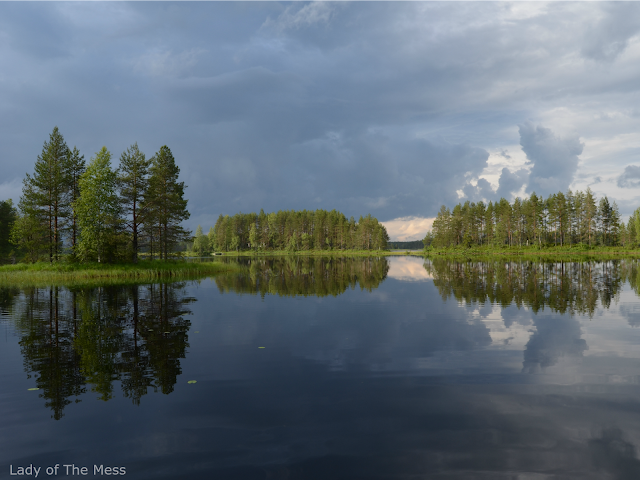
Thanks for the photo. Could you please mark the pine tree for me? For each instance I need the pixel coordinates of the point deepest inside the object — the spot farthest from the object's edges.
(614, 224)
(589, 217)
(489, 223)
(166, 195)
(534, 221)
(45, 193)
(571, 215)
(561, 216)
(8, 217)
(75, 168)
(578, 210)
(636, 223)
(253, 236)
(133, 182)
(604, 219)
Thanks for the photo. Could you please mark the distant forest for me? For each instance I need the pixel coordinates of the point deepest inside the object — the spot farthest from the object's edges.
(562, 219)
(291, 230)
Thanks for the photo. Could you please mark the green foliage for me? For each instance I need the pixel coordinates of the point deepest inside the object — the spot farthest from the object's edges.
(292, 230)
(76, 167)
(561, 219)
(200, 243)
(28, 236)
(45, 195)
(133, 182)
(168, 207)
(142, 200)
(8, 216)
(98, 210)
(47, 198)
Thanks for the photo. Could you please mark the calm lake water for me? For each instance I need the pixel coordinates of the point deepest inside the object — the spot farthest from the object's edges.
(330, 369)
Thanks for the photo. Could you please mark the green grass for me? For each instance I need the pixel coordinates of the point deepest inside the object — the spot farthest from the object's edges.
(545, 251)
(41, 273)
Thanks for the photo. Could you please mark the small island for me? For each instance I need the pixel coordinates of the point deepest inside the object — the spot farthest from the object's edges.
(81, 222)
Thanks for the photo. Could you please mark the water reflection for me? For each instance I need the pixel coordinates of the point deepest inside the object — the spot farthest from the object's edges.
(564, 287)
(388, 381)
(567, 289)
(72, 340)
(303, 276)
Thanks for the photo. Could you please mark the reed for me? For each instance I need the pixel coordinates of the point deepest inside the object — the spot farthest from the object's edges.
(96, 273)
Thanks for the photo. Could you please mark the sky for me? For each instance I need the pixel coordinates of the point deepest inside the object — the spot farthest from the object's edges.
(388, 108)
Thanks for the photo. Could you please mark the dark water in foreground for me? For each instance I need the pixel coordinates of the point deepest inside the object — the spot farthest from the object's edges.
(330, 369)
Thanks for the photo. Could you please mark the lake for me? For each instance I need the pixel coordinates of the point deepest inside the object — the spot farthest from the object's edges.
(328, 368)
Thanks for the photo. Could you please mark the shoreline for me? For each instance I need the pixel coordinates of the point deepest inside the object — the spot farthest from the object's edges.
(536, 253)
(38, 274)
(429, 253)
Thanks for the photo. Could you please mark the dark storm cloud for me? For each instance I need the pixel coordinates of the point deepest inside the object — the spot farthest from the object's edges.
(555, 159)
(511, 182)
(630, 178)
(480, 191)
(383, 107)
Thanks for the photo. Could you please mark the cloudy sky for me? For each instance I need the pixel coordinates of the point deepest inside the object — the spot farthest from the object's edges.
(386, 108)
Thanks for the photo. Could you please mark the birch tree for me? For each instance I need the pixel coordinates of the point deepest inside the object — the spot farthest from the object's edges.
(98, 209)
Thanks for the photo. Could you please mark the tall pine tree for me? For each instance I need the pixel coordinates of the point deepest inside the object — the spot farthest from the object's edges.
(166, 195)
(75, 168)
(8, 216)
(45, 194)
(133, 182)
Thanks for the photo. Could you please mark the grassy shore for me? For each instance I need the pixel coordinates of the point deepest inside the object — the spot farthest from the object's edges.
(312, 253)
(37, 274)
(574, 250)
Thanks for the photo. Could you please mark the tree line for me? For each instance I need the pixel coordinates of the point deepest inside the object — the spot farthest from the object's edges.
(291, 230)
(93, 212)
(561, 219)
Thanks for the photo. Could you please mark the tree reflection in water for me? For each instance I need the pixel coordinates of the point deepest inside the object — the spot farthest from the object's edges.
(87, 339)
(563, 287)
(304, 276)
(74, 339)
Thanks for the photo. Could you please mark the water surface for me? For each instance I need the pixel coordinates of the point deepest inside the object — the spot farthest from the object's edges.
(311, 368)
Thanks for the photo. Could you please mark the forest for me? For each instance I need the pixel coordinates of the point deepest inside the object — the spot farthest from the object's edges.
(92, 212)
(563, 219)
(291, 231)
